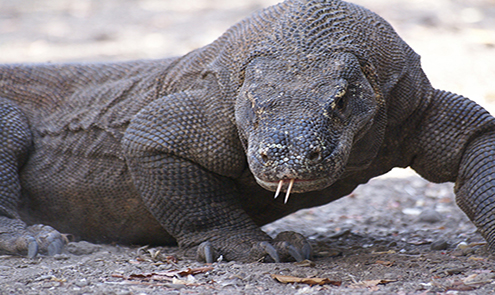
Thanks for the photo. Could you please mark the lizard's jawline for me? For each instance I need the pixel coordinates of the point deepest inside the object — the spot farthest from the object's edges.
(299, 186)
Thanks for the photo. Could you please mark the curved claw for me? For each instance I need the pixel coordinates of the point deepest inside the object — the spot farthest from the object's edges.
(294, 252)
(206, 253)
(55, 247)
(306, 251)
(293, 245)
(48, 239)
(32, 248)
(55, 242)
(268, 249)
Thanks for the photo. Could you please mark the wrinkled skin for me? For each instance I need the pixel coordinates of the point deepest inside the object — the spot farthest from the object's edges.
(308, 97)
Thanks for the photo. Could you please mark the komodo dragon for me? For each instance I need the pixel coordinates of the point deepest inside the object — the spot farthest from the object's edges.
(305, 97)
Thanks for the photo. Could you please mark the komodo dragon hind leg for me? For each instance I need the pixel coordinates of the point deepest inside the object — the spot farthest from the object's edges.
(15, 236)
(475, 186)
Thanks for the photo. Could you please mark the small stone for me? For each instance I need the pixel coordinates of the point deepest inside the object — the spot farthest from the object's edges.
(82, 283)
(44, 278)
(439, 245)
(82, 248)
(305, 263)
(430, 216)
(454, 271)
(61, 256)
(175, 286)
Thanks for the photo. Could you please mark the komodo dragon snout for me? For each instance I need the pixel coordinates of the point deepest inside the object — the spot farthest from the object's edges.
(298, 118)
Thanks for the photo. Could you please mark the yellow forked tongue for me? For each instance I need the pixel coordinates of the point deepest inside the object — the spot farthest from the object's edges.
(279, 187)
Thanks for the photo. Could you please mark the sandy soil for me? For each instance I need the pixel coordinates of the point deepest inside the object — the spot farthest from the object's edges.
(398, 234)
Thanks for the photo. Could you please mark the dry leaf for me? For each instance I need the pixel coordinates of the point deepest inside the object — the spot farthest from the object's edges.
(459, 286)
(309, 281)
(163, 276)
(477, 258)
(305, 263)
(194, 271)
(418, 241)
(179, 282)
(384, 263)
(171, 259)
(385, 252)
(469, 279)
(372, 284)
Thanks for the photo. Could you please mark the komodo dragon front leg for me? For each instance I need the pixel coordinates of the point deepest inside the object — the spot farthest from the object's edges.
(183, 155)
(475, 186)
(15, 236)
(456, 142)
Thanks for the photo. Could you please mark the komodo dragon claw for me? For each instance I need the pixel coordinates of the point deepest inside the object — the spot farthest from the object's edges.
(298, 247)
(287, 246)
(206, 253)
(32, 240)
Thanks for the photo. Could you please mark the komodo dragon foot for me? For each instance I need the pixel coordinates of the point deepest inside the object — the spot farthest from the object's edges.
(287, 246)
(16, 238)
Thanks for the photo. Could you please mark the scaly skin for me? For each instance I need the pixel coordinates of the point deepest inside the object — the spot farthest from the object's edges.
(311, 97)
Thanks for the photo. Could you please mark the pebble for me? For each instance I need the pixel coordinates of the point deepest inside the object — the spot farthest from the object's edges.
(82, 248)
(43, 278)
(454, 271)
(462, 246)
(175, 286)
(439, 245)
(61, 256)
(82, 283)
(430, 216)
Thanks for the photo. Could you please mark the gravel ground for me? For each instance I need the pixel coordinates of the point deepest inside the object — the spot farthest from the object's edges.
(398, 234)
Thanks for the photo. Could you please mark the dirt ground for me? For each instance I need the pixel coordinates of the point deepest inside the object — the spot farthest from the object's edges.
(398, 234)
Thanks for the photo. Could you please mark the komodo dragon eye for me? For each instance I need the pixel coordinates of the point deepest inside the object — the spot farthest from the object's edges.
(339, 102)
(340, 99)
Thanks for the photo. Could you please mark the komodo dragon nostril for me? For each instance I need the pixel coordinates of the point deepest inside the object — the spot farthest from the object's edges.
(264, 157)
(314, 156)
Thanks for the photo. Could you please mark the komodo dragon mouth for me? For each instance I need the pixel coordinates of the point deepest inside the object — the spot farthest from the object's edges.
(296, 185)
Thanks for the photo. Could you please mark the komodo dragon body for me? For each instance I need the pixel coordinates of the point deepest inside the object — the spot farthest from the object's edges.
(309, 97)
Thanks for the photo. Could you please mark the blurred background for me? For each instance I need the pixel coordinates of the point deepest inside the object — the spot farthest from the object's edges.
(456, 38)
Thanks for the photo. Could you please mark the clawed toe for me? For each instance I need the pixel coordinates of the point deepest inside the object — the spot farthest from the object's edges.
(49, 240)
(16, 238)
(287, 246)
(291, 245)
(32, 248)
(206, 253)
(262, 249)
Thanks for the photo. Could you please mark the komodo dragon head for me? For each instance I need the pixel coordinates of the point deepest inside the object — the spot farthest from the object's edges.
(300, 117)
(308, 107)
